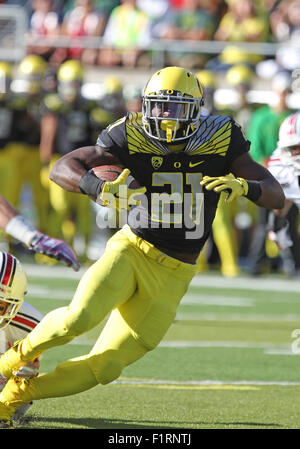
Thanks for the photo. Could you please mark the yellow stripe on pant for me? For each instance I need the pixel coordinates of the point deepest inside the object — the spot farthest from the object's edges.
(140, 285)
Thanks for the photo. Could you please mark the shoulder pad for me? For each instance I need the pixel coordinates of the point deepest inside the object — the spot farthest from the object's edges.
(135, 119)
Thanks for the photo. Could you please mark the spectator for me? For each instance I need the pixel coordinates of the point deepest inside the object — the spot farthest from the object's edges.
(242, 23)
(82, 21)
(44, 22)
(127, 30)
(104, 6)
(285, 20)
(285, 25)
(177, 4)
(154, 8)
(157, 11)
(193, 22)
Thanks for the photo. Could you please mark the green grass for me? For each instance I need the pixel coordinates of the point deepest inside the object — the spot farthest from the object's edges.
(225, 363)
(132, 407)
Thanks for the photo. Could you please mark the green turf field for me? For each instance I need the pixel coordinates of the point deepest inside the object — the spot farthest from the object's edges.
(229, 361)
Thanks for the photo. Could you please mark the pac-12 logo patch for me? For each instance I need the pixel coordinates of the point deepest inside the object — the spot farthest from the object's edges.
(156, 162)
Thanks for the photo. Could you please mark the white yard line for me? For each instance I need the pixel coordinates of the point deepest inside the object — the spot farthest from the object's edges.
(268, 348)
(50, 272)
(138, 381)
(207, 316)
(216, 281)
(217, 300)
(248, 283)
(222, 344)
(42, 291)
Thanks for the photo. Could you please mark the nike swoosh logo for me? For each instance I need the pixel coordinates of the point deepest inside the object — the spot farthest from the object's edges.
(196, 163)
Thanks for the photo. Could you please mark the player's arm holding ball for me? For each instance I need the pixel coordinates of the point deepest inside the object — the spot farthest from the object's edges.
(80, 171)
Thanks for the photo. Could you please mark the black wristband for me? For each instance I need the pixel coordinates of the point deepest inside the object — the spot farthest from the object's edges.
(254, 190)
(90, 184)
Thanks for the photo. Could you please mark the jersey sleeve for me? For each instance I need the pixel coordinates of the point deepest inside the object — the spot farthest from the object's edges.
(239, 144)
(113, 139)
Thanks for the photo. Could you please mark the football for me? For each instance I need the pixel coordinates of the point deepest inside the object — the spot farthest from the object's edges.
(107, 172)
(111, 172)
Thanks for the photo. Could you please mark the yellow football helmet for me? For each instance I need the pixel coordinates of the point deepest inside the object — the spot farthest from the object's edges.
(30, 74)
(239, 74)
(112, 85)
(70, 71)
(13, 286)
(207, 79)
(70, 77)
(171, 107)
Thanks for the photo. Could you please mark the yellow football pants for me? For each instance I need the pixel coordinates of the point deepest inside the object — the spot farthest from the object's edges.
(21, 164)
(72, 212)
(5, 173)
(140, 285)
(225, 240)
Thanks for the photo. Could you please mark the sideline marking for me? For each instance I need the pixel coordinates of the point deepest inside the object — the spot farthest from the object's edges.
(194, 387)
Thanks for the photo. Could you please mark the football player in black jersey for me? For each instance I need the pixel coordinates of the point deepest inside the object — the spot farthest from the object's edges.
(6, 121)
(183, 161)
(20, 136)
(68, 121)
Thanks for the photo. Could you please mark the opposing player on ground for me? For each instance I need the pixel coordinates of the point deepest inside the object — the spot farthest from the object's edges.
(284, 165)
(183, 160)
(16, 226)
(17, 318)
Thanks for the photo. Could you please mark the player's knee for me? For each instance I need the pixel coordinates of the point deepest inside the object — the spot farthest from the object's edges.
(106, 367)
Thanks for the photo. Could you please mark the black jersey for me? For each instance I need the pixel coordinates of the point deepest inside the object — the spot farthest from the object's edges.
(26, 120)
(77, 123)
(6, 122)
(19, 120)
(182, 219)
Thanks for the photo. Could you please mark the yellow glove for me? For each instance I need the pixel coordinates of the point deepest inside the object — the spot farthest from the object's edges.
(234, 186)
(117, 195)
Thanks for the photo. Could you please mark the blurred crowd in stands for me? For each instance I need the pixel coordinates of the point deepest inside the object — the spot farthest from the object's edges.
(128, 27)
(44, 112)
